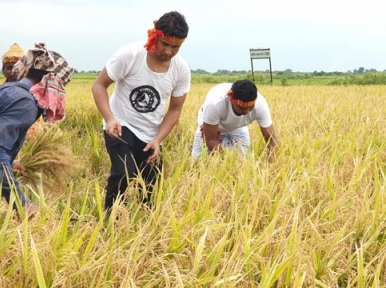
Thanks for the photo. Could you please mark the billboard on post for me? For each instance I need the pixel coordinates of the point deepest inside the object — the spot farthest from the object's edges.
(260, 53)
(264, 53)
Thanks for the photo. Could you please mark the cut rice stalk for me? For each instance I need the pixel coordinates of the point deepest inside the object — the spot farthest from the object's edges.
(47, 156)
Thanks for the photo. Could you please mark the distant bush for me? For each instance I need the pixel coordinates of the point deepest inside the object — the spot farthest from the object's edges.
(230, 78)
(366, 79)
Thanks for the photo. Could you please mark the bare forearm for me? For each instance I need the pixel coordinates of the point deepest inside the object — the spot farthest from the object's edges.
(272, 146)
(101, 99)
(101, 96)
(170, 120)
(214, 145)
(271, 140)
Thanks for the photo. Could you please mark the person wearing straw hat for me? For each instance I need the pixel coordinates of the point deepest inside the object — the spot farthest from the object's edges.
(42, 75)
(134, 117)
(225, 114)
(14, 53)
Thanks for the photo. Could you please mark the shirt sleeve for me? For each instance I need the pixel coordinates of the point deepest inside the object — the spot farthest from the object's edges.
(119, 65)
(263, 117)
(184, 76)
(211, 114)
(18, 112)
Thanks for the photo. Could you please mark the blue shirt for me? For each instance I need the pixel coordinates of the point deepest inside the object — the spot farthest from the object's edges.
(18, 111)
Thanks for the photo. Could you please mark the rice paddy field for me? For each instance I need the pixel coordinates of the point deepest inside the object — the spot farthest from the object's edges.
(313, 217)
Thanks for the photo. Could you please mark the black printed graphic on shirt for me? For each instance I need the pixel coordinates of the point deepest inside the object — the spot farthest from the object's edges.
(145, 99)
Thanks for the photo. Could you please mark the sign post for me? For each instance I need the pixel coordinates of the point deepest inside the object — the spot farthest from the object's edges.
(260, 54)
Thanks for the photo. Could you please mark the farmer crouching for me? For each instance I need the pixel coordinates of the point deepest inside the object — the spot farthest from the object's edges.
(42, 75)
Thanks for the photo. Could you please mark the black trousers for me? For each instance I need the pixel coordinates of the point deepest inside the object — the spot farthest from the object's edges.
(129, 159)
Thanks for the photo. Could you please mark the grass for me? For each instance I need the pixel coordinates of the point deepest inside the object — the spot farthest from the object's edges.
(314, 217)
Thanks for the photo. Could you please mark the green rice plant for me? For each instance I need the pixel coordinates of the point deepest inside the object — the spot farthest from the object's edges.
(97, 155)
(37, 265)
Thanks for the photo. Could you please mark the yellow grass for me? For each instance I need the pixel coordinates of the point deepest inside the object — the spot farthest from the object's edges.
(314, 217)
(47, 157)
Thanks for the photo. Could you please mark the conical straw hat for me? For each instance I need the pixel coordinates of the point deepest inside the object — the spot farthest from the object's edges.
(13, 54)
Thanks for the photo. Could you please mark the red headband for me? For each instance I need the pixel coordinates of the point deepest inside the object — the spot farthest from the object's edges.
(154, 34)
(240, 103)
(12, 59)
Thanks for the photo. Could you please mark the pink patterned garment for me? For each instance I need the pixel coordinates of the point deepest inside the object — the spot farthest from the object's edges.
(50, 95)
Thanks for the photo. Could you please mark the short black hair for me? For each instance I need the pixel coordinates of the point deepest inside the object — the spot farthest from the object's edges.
(174, 24)
(36, 74)
(244, 90)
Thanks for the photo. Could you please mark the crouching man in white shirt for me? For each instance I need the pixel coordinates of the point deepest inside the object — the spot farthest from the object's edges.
(225, 114)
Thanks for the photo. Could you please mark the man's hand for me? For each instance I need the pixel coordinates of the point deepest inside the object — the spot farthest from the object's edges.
(271, 140)
(211, 136)
(18, 166)
(113, 128)
(154, 146)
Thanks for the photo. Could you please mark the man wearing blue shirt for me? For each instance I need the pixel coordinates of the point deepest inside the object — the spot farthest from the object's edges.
(18, 111)
(21, 105)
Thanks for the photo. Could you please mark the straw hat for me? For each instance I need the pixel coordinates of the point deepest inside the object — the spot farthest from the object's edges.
(13, 54)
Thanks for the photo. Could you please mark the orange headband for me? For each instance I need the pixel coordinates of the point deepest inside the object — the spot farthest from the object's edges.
(12, 59)
(154, 34)
(240, 103)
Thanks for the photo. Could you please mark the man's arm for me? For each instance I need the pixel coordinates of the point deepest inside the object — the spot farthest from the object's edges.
(210, 136)
(101, 98)
(271, 140)
(171, 117)
(169, 121)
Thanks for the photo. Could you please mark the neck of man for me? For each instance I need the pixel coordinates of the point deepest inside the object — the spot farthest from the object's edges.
(155, 64)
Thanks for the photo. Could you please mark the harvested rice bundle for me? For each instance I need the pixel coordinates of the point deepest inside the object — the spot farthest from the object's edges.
(36, 129)
(47, 157)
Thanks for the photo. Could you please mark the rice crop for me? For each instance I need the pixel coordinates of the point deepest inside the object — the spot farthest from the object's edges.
(313, 217)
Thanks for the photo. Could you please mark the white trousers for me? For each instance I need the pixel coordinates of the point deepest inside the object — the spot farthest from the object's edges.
(239, 137)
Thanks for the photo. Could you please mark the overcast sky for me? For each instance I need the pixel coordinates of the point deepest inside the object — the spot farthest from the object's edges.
(303, 35)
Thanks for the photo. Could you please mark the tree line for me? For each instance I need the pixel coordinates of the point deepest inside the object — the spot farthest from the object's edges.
(359, 71)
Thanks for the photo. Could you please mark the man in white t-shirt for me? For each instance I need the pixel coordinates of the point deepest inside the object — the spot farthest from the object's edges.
(135, 117)
(225, 114)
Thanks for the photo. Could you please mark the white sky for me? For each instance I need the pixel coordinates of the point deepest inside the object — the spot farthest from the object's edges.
(303, 35)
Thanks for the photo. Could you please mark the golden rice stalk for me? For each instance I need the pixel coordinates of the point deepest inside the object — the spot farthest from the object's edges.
(47, 157)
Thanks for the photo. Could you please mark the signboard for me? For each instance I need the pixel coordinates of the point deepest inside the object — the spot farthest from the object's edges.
(260, 53)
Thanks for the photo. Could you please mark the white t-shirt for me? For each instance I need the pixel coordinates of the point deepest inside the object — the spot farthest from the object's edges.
(140, 95)
(217, 110)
